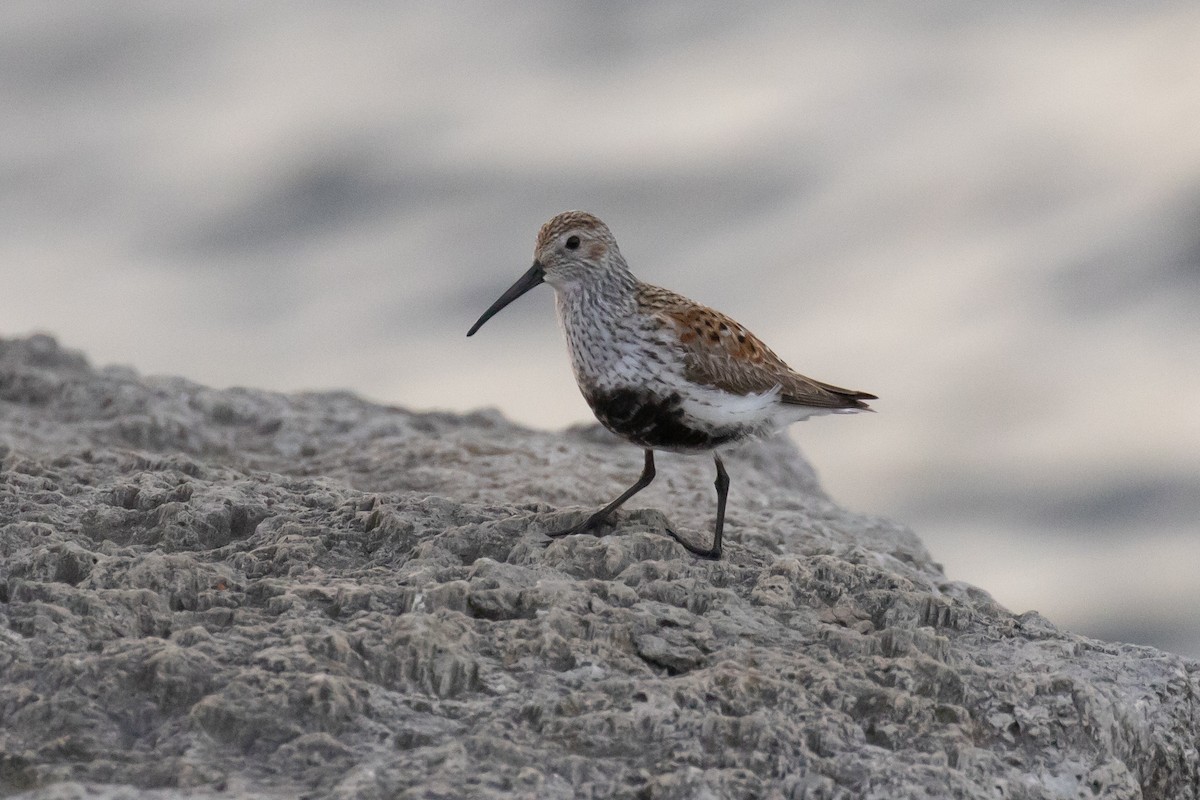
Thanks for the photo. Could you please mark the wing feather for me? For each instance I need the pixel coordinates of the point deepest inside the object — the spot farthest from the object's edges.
(720, 352)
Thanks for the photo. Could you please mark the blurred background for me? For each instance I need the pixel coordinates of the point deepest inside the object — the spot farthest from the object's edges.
(987, 214)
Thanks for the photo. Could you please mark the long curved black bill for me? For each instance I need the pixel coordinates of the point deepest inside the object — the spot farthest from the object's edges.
(530, 279)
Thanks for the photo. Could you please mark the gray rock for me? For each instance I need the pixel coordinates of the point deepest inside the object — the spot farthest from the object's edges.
(242, 594)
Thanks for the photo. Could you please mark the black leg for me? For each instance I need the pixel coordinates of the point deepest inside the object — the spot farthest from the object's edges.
(722, 484)
(592, 522)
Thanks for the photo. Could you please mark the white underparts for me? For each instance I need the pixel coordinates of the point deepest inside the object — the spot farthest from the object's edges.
(721, 409)
(763, 413)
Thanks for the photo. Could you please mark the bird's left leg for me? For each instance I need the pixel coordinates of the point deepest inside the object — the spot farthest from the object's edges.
(592, 522)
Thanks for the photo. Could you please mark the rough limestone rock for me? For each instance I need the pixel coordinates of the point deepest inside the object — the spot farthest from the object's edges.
(227, 594)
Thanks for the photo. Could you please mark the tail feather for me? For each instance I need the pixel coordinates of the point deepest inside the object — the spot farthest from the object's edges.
(827, 395)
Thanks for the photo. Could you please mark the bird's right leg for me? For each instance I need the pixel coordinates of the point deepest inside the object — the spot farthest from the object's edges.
(722, 484)
(592, 522)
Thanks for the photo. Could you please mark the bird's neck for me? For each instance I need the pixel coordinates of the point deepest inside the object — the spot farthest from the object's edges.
(597, 318)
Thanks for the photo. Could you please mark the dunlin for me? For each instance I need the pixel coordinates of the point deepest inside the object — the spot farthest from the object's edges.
(659, 370)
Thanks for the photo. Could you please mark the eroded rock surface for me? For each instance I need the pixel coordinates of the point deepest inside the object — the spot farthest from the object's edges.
(242, 594)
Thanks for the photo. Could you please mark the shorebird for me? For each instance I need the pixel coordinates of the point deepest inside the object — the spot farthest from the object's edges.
(658, 369)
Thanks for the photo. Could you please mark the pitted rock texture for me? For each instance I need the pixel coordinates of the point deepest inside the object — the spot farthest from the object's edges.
(240, 594)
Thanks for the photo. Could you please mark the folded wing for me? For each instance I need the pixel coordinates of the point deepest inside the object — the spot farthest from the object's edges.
(720, 352)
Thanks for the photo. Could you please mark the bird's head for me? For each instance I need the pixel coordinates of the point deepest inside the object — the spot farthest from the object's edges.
(572, 249)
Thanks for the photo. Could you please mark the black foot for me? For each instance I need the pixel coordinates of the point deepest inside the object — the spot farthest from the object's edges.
(593, 524)
(712, 554)
(590, 525)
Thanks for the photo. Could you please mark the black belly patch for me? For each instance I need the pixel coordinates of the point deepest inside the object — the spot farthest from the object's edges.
(654, 420)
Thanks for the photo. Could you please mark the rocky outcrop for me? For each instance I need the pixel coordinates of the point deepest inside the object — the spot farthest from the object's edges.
(242, 594)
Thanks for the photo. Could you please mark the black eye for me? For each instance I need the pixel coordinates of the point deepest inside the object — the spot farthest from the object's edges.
(572, 242)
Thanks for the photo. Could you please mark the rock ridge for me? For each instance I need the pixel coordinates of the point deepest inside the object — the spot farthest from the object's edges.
(235, 593)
